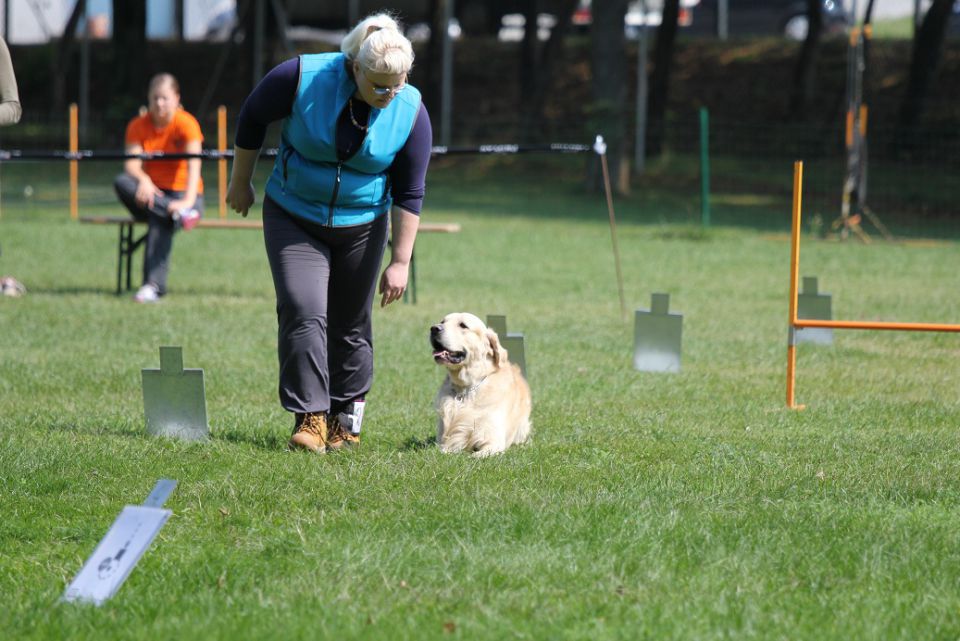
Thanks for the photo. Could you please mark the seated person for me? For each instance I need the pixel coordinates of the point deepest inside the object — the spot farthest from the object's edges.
(167, 194)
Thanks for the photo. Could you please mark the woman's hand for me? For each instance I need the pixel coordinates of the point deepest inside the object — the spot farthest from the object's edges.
(393, 282)
(241, 196)
(146, 191)
(178, 204)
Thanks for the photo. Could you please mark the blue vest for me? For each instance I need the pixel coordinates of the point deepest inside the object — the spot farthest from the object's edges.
(308, 180)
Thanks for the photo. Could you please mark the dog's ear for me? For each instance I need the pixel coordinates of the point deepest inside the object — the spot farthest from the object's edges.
(498, 352)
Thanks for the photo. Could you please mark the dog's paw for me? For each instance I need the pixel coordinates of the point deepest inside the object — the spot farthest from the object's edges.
(486, 452)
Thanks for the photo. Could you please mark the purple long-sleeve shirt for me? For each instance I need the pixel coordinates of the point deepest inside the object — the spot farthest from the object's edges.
(272, 100)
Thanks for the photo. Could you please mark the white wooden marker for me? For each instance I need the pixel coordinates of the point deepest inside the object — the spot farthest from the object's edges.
(120, 549)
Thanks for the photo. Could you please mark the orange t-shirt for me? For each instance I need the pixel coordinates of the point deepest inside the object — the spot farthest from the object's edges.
(168, 175)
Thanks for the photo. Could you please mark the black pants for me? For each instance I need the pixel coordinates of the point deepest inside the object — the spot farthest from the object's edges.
(325, 279)
(160, 228)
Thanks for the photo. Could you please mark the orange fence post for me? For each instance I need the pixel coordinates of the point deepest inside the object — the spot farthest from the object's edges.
(222, 163)
(794, 281)
(74, 168)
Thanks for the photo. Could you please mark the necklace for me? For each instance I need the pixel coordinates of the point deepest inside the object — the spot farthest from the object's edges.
(353, 118)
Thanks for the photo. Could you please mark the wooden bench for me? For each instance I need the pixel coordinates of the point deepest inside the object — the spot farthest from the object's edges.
(129, 243)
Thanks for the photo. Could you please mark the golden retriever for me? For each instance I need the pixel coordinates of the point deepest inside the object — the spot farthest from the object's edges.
(484, 403)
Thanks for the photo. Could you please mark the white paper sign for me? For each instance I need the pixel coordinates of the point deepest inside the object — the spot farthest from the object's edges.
(117, 554)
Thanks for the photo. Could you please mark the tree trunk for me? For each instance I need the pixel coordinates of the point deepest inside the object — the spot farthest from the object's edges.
(660, 77)
(608, 63)
(130, 76)
(927, 49)
(64, 52)
(433, 68)
(805, 75)
(529, 49)
(536, 82)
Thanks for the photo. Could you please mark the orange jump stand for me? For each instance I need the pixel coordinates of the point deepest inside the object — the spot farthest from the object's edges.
(796, 323)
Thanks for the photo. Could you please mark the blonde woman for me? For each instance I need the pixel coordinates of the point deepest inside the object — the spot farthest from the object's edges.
(355, 146)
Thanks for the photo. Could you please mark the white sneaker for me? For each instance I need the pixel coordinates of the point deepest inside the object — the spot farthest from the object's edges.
(188, 218)
(147, 294)
(10, 286)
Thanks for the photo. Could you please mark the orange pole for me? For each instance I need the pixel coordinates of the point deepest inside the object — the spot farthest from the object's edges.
(863, 120)
(74, 173)
(910, 327)
(794, 285)
(222, 163)
(848, 135)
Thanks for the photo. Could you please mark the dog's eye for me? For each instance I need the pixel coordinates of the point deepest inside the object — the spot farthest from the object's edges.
(463, 326)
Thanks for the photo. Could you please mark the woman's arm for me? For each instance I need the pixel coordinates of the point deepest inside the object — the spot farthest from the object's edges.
(193, 179)
(240, 192)
(9, 98)
(266, 103)
(394, 280)
(146, 190)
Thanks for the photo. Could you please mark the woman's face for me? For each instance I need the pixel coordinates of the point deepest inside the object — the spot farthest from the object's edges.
(163, 103)
(378, 89)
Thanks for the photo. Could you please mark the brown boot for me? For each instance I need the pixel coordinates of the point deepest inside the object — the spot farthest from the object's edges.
(338, 437)
(310, 433)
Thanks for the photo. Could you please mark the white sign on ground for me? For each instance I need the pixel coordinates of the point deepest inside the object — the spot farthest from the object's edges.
(118, 553)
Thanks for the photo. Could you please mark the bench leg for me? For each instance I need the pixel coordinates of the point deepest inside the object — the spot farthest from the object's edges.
(127, 247)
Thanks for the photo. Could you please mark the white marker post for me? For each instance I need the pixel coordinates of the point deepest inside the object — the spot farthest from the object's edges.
(513, 343)
(814, 305)
(121, 548)
(657, 337)
(174, 402)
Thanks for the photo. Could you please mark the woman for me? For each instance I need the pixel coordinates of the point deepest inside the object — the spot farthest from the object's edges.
(168, 194)
(355, 145)
(9, 115)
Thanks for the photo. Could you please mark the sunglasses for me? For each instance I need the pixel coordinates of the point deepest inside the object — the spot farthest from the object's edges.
(385, 91)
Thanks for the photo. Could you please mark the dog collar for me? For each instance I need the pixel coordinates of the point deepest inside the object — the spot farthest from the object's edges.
(469, 390)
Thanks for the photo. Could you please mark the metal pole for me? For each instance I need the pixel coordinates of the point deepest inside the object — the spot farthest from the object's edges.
(260, 18)
(601, 148)
(353, 12)
(446, 92)
(704, 167)
(723, 19)
(85, 76)
(640, 146)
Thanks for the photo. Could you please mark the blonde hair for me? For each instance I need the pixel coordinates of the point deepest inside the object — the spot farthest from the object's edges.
(378, 46)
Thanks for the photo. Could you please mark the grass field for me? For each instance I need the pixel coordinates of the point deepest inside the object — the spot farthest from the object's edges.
(648, 506)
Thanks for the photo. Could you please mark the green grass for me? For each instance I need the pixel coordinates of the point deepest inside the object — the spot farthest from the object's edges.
(683, 506)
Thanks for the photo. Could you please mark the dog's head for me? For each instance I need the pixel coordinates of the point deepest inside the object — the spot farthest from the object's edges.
(462, 343)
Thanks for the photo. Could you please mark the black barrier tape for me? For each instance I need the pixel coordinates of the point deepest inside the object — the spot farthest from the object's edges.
(211, 154)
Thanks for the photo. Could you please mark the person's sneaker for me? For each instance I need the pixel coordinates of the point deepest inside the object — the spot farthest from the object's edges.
(10, 286)
(310, 433)
(147, 294)
(188, 218)
(338, 437)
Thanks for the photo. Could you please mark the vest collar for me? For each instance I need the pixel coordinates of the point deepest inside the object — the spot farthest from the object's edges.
(346, 87)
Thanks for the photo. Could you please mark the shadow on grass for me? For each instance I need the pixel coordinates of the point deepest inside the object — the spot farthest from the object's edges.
(269, 441)
(414, 444)
(76, 291)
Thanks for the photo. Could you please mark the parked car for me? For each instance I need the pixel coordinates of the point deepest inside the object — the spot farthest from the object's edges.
(768, 17)
(475, 16)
